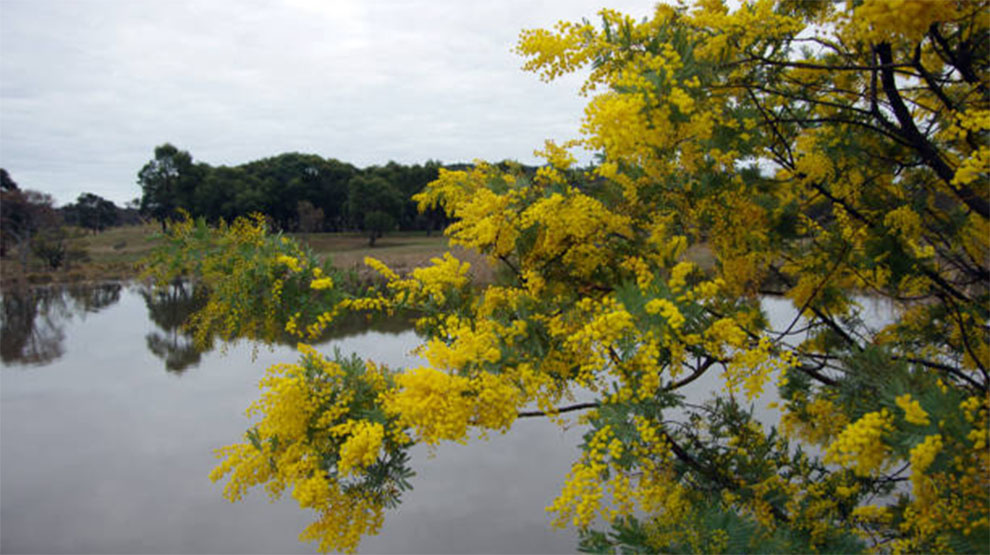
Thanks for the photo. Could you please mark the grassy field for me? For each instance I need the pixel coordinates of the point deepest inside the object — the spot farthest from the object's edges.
(114, 254)
(120, 245)
(110, 255)
(401, 251)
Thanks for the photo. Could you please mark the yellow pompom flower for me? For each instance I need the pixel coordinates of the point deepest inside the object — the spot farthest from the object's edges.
(861, 445)
(289, 261)
(913, 412)
(362, 447)
(321, 283)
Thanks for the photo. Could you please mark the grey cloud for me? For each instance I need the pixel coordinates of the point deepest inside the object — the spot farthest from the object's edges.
(88, 88)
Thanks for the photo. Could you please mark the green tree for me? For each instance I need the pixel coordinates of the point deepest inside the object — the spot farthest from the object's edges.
(217, 196)
(168, 182)
(829, 156)
(95, 212)
(290, 178)
(408, 181)
(7, 191)
(373, 204)
(376, 223)
(26, 215)
(6, 182)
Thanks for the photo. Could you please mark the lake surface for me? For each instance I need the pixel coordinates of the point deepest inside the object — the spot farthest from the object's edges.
(109, 416)
(108, 419)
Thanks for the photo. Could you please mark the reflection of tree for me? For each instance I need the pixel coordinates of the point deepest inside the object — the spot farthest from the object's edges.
(349, 324)
(94, 298)
(169, 307)
(32, 328)
(32, 320)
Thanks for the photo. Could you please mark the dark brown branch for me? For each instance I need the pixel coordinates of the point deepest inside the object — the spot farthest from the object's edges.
(773, 126)
(713, 473)
(569, 408)
(819, 67)
(511, 266)
(939, 366)
(931, 274)
(909, 131)
(930, 79)
(698, 372)
(965, 338)
(961, 60)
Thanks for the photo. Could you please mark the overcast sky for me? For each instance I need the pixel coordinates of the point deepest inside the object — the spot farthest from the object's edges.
(88, 88)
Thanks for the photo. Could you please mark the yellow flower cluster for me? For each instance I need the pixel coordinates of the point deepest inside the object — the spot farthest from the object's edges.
(722, 333)
(753, 368)
(923, 455)
(861, 444)
(496, 403)
(468, 345)
(321, 283)
(872, 513)
(608, 322)
(436, 404)
(425, 284)
(570, 224)
(440, 406)
(289, 261)
(381, 268)
(906, 223)
(883, 20)
(913, 412)
(347, 518)
(679, 274)
(362, 446)
(581, 497)
(554, 53)
(557, 156)
(975, 167)
(817, 421)
(306, 414)
(445, 274)
(976, 411)
(668, 310)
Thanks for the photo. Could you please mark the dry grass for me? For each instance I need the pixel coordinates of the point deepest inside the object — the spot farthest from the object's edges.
(107, 256)
(401, 251)
(114, 254)
(121, 245)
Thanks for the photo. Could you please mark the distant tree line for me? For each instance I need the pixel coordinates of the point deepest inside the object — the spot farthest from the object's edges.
(298, 192)
(30, 224)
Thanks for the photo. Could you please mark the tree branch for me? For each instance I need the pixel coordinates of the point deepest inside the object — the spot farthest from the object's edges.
(909, 131)
(560, 410)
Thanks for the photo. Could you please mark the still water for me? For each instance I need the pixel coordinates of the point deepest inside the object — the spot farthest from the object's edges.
(109, 415)
(108, 419)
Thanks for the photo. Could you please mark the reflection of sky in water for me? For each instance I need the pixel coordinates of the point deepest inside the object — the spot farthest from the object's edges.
(103, 451)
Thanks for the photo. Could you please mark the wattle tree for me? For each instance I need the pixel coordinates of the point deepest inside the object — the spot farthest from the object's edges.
(831, 155)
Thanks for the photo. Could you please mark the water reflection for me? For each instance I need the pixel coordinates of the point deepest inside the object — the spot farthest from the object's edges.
(168, 308)
(93, 298)
(135, 447)
(32, 322)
